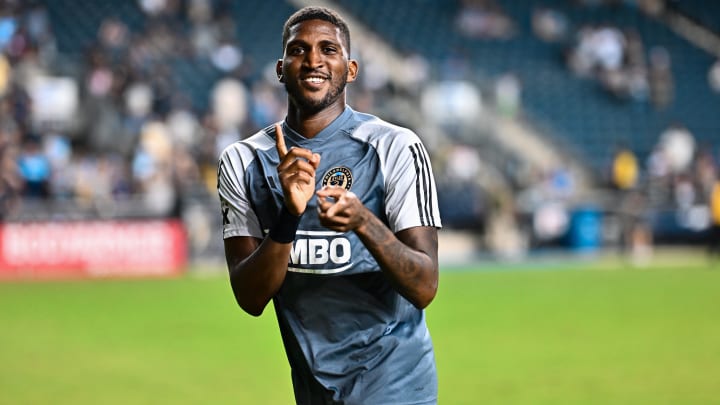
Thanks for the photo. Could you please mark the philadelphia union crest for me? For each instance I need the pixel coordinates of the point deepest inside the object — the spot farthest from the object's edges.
(339, 176)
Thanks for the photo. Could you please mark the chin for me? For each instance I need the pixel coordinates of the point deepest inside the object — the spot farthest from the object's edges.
(311, 105)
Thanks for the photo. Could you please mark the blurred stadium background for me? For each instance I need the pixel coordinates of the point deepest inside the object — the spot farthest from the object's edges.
(562, 132)
(554, 125)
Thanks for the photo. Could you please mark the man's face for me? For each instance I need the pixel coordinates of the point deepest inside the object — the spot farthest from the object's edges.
(315, 66)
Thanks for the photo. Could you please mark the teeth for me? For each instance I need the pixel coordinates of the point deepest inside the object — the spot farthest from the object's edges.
(315, 80)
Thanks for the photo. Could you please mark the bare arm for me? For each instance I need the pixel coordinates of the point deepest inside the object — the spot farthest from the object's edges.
(258, 267)
(257, 270)
(408, 258)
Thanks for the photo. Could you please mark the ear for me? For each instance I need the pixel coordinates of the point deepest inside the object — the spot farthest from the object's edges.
(352, 70)
(278, 70)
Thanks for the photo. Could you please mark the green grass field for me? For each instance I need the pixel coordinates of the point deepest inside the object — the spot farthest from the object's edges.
(594, 332)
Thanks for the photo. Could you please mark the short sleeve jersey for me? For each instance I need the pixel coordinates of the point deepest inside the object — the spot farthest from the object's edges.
(343, 325)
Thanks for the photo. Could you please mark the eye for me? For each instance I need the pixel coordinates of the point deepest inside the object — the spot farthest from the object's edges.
(295, 50)
(330, 50)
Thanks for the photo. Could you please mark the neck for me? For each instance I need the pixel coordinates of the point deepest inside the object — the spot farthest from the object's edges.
(309, 124)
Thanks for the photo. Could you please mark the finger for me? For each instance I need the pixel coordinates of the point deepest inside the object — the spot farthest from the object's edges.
(280, 141)
(332, 211)
(335, 208)
(334, 192)
(323, 203)
(300, 184)
(294, 155)
(297, 165)
(315, 160)
(332, 195)
(301, 153)
(337, 223)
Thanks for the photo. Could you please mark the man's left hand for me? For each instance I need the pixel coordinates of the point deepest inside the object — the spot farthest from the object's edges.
(339, 209)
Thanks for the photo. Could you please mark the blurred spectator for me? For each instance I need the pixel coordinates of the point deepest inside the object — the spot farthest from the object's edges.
(266, 106)
(617, 60)
(549, 24)
(58, 150)
(416, 70)
(152, 164)
(679, 147)
(463, 164)
(636, 71)
(34, 168)
(714, 237)
(714, 76)
(705, 170)
(229, 103)
(8, 26)
(451, 104)
(597, 51)
(455, 66)
(151, 7)
(184, 129)
(661, 78)
(636, 237)
(560, 182)
(207, 154)
(5, 75)
(657, 163)
(376, 76)
(11, 120)
(10, 180)
(138, 98)
(483, 19)
(462, 195)
(684, 190)
(504, 237)
(508, 94)
(630, 80)
(114, 37)
(28, 66)
(550, 221)
(227, 56)
(93, 181)
(658, 170)
(651, 7)
(55, 102)
(625, 170)
(99, 80)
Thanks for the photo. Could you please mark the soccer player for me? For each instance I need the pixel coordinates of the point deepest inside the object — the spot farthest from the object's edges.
(332, 214)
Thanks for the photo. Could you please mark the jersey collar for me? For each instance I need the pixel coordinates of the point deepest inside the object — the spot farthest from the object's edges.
(326, 133)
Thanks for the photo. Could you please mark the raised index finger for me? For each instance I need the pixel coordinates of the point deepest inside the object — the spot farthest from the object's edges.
(280, 141)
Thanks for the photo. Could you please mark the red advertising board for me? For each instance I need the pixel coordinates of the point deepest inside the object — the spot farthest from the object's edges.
(92, 249)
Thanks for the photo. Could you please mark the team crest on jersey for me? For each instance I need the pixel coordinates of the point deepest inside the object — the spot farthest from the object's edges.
(339, 176)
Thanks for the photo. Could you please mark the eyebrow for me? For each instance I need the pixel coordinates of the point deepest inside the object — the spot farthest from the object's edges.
(321, 42)
(324, 42)
(337, 39)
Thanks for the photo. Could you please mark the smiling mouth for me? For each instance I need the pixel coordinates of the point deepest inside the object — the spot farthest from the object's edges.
(314, 79)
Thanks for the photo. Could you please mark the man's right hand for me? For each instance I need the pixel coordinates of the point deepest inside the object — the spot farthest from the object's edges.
(296, 172)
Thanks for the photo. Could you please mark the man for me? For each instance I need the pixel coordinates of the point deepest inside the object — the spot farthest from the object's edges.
(339, 229)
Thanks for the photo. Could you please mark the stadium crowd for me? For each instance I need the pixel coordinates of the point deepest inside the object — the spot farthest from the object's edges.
(115, 127)
(124, 130)
(120, 128)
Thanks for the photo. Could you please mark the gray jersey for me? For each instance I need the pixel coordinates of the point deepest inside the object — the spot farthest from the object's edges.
(344, 327)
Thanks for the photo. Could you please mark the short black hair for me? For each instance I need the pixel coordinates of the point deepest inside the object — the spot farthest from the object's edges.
(317, 13)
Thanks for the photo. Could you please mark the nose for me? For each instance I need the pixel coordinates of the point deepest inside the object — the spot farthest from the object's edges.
(313, 58)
